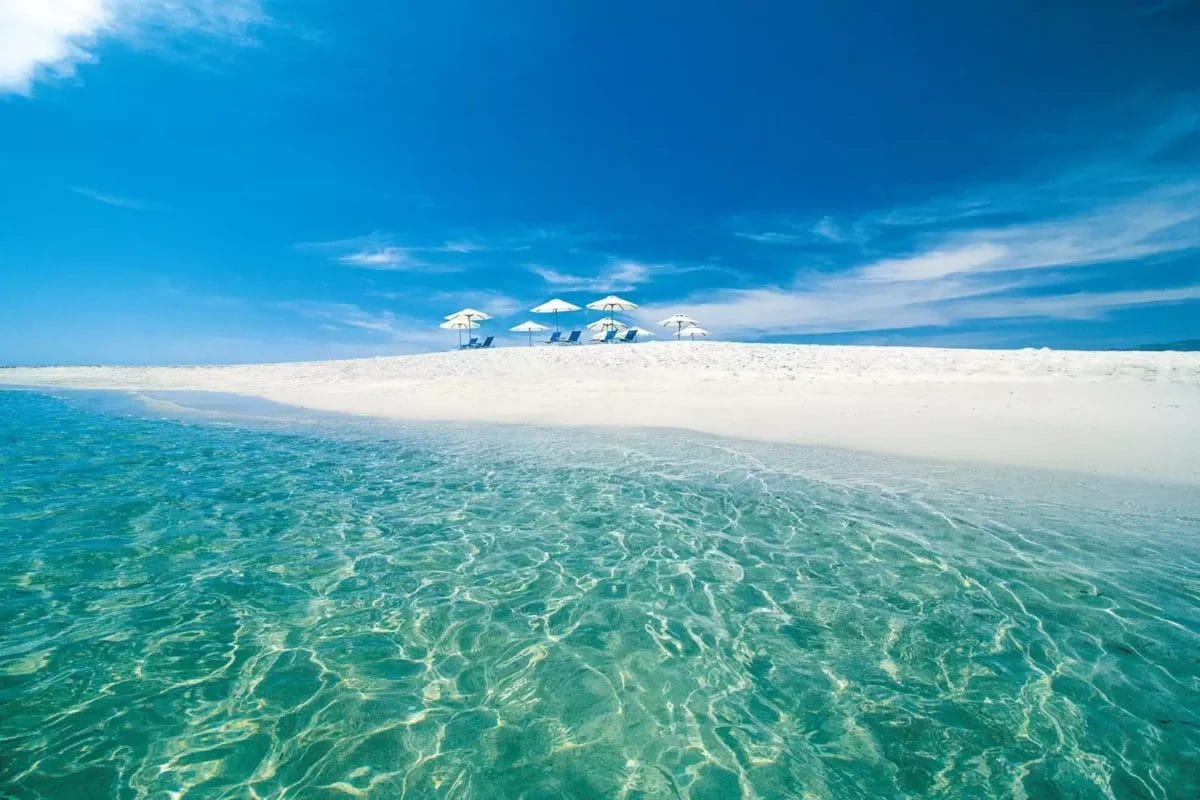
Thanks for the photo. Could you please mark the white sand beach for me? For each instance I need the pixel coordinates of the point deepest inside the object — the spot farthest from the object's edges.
(1125, 414)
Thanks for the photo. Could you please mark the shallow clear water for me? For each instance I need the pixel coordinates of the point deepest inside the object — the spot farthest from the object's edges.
(329, 610)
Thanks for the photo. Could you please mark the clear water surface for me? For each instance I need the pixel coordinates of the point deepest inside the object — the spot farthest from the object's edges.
(207, 607)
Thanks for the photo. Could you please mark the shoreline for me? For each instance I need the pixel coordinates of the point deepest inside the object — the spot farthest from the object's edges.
(1117, 414)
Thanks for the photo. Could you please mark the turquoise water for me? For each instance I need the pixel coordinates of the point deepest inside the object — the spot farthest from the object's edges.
(190, 608)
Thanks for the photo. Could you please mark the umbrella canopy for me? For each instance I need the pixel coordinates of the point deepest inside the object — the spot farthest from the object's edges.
(529, 327)
(469, 313)
(607, 322)
(643, 332)
(553, 307)
(692, 331)
(680, 321)
(612, 303)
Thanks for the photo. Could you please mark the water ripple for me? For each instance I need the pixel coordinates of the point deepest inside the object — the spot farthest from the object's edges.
(205, 611)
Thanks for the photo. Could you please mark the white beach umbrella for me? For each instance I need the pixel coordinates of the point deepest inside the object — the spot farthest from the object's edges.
(643, 332)
(680, 321)
(459, 324)
(692, 331)
(529, 327)
(470, 314)
(612, 304)
(553, 307)
(604, 323)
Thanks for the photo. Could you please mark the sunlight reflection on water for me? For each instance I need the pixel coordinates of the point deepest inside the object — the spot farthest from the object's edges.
(297, 603)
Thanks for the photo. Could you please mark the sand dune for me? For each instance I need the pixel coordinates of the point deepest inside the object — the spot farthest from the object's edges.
(1107, 413)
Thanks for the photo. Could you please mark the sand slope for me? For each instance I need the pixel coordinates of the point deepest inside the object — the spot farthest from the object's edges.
(1126, 414)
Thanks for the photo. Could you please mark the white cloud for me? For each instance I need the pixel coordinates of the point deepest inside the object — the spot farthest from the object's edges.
(980, 254)
(347, 315)
(775, 229)
(384, 331)
(378, 250)
(1078, 305)
(772, 237)
(47, 39)
(386, 257)
(933, 264)
(840, 306)
(50, 36)
(494, 303)
(827, 229)
(974, 274)
(108, 199)
(619, 275)
(461, 246)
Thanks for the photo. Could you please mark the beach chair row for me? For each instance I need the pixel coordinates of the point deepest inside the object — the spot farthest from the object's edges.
(557, 337)
(610, 336)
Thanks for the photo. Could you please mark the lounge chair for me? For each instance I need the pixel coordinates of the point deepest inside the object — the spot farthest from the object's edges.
(554, 337)
(573, 338)
(630, 335)
(472, 342)
(486, 343)
(609, 336)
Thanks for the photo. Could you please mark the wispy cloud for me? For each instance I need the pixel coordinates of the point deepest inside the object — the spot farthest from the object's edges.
(348, 315)
(1044, 248)
(776, 229)
(839, 306)
(48, 39)
(386, 257)
(620, 275)
(379, 251)
(1156, 222)
(352, 329)
(450, 253)
(616, 276)
(108, 199)
(827, 229)
(396, 333)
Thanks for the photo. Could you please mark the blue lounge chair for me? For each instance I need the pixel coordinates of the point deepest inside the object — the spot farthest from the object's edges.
(472, 342)
(610, 336)
(486, 343)
(554, 337)
(573, 338)
(630, 335)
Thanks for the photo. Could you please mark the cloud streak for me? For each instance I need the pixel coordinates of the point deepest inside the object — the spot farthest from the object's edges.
(386, 257)
(1044, 249)
(108, 199)
(454, 253)
(617, 276)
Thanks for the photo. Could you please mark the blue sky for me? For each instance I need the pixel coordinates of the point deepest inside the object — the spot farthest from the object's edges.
(195, 181)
